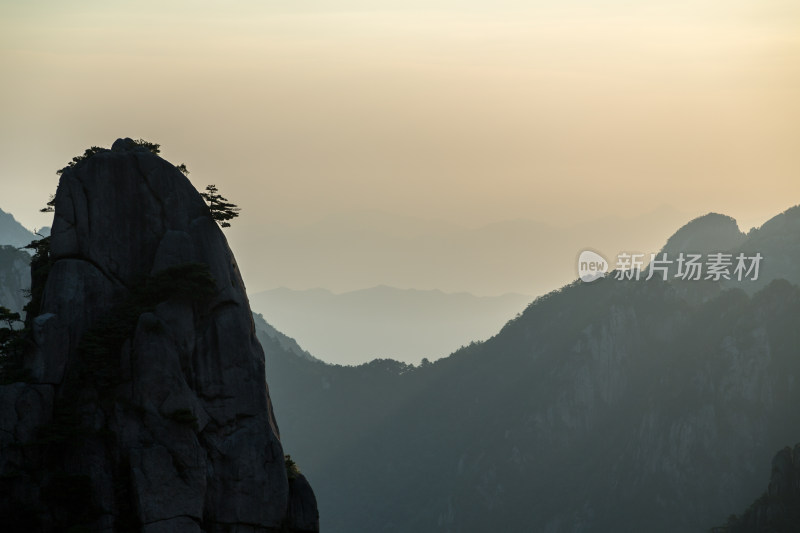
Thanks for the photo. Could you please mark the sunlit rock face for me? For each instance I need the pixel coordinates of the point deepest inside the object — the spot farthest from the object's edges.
(148, 408)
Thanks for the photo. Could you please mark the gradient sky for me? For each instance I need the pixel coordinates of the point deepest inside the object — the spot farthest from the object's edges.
(469, 112)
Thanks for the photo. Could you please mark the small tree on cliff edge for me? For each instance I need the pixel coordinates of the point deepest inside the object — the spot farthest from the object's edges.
(221, 210)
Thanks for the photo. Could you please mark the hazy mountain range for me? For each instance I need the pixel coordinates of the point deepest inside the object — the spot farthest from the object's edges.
(373, 247)
(15, 276)
(611, 406)
(286, 343)
(355, 250)
(385, 322)
(12, 233)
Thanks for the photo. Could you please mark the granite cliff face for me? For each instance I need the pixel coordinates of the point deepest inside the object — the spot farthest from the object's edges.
(147, 408)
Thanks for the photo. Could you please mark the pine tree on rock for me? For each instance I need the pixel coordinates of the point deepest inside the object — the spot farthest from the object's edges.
(221, 210)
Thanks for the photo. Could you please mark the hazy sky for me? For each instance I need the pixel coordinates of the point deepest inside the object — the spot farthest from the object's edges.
(471, 112)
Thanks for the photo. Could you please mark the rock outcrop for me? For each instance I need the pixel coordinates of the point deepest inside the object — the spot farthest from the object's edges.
(147, 408)
(777, 242)
(778, 509)
(706, 234)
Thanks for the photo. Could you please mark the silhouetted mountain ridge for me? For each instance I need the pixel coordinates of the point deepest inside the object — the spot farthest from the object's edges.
(13, 233)
(264, 329)
(609, 406)
(706, 234)
(777, 241)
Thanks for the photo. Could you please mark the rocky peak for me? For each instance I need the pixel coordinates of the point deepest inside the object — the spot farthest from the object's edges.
(778, 509)
(778, 242)
(706, 234)
(147, 408)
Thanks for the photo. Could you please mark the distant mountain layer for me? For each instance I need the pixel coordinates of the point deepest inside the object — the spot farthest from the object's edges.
(15, 278)
(266, 331)
(609, 406)
(12, 232)
(366, 249)
(385, 322)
